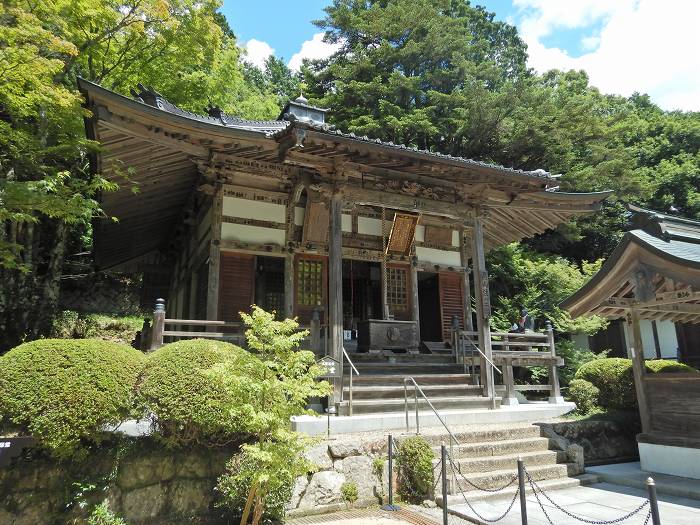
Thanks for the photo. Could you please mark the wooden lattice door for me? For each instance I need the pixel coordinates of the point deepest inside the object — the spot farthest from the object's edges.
(451, 301)
(236, 285)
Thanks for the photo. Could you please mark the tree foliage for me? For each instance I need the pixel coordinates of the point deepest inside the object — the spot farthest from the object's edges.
(48, 196)
(522, 278)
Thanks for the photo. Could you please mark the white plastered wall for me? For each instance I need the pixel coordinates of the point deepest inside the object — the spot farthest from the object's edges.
(668, 342)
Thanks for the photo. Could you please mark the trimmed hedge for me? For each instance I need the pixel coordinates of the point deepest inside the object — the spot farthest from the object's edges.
(584, 394)
(415, 462)
(189, 404)
(614, 377)
(65, 391)
(666, 366)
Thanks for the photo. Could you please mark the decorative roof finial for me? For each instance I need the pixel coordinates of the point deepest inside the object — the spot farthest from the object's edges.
(301, 99)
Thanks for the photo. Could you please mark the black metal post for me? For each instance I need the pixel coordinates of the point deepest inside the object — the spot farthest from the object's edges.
(390, 451)
(443, 456)
(653, 501)
(521, 485)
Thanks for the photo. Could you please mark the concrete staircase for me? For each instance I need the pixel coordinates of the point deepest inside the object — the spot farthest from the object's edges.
(488, 458)
(380, 386)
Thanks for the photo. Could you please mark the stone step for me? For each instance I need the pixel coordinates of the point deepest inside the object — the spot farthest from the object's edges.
(378, 406)
(423, 380)
(363, 391)
(409, 368)
(497, 448)
(498, 478)
(360, 358)
(510, 433)
(546, 485)
(509, 461)
(435, 347)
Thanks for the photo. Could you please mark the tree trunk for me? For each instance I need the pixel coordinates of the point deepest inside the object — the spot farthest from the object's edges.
(29, 295)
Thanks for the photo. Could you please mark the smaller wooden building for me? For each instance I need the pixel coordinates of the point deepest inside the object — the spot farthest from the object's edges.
(654, 274)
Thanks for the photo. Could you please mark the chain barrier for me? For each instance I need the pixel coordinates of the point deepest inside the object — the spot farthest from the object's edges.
(537, 489)
(477, 487)
(464, 496)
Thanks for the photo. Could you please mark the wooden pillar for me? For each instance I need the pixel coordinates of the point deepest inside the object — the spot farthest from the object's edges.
(289, 285)
(636, 351)
(483, 301)
(217, 205)
(158, 326)
(316, 346)
(554, 390)
(290, 242)
(466, 285)
(510, 399)
(415, 307)
(385, 293)
(335, 289)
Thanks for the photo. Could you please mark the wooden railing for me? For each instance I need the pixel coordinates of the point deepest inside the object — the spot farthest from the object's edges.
(511, 350)
(163, 329)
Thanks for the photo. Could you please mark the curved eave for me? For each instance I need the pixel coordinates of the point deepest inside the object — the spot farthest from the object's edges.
(96, 94)
(394, 150)
(620, 264)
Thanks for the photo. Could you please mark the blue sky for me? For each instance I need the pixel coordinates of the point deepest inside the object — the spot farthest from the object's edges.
(648, 46)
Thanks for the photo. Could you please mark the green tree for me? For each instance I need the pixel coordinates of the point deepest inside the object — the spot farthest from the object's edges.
(47, 193)
(418, 72)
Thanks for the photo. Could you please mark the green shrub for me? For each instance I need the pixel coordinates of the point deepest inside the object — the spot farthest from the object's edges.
(192, 404)
(271, 468)
(102, 515)
(349, 491)
(614, 379)
(584, 394)
(69, 324)
(63, 391)
(414, 460)
(666, 366)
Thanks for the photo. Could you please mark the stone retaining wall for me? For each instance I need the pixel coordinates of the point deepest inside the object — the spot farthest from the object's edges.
(143, 484)
(339, 462)
(603, 441)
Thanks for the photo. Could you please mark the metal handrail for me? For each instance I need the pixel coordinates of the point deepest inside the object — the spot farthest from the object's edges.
(484, 356)
(352, 370)
(416, 390)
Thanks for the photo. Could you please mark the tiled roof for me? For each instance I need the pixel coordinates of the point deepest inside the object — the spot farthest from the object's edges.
(276, 128)
(686, 251)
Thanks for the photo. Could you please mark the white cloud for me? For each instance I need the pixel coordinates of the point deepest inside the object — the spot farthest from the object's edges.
(648, 46)
(313, 49)
(257, 52)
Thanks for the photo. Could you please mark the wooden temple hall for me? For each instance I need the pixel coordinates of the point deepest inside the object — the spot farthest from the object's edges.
(380, 244)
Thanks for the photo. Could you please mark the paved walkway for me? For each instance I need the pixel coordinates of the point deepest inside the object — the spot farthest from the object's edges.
(601, 502)
(632, 475)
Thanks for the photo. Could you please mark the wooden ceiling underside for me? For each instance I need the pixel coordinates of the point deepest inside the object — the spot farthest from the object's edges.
(676, 302)
(154, 184)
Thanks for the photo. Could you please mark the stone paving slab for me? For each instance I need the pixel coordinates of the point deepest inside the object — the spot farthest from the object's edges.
(632, 475)
(601, 502)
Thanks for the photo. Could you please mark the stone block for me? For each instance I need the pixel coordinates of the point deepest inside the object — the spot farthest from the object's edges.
(343, 450)
(193, 466)
(323, 489)
(145, 503)
(359, 470)
(318, 455)
(300, 485)
(190, 497)
(145, 471)
(574, 455)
